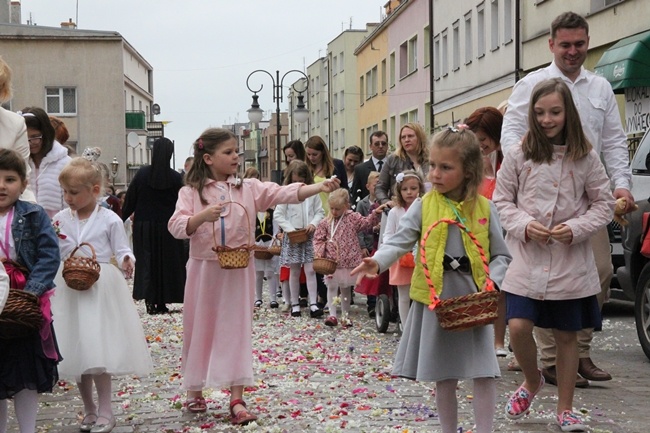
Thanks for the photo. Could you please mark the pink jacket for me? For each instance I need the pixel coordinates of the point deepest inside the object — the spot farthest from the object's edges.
(575, 193)
(345, 237)
(238, 221)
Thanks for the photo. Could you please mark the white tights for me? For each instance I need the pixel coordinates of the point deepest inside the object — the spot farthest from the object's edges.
(484, 401)
(103, 385)
(272, 279)
(346, 298)
(404, 303)
(294, 282)
(26, 407)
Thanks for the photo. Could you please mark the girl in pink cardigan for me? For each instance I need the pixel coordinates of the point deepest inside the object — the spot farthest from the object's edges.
(336, 238)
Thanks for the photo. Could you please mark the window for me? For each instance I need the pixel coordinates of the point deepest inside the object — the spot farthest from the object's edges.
(391, 69)
(597, 5)
(469, 40)
(480, 30)
(393, 130)
(341, 62)
(369, 92)
(342, 136)
(342, 101)
(335, 65)
(336, 140)
(408, 57)
(335, 103)
(61, 100)
(494, 25)
(326, 109)
(445, 57)
(436, 57)
(455, 59)
(507, 21)
(384, 70)
(373, 81)
(427, 45)
(404, 119)
(362, 91)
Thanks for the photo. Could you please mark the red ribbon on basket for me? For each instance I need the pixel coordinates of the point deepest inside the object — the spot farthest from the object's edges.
(435, 300)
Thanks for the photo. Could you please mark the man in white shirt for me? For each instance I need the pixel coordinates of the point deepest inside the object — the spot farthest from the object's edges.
(595, 101)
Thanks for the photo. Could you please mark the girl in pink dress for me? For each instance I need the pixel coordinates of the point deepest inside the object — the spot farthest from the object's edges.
(216, 206)
(408, 187)
(332, 240)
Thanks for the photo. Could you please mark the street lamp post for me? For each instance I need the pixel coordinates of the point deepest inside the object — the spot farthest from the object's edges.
(115, 165)
(255, 113)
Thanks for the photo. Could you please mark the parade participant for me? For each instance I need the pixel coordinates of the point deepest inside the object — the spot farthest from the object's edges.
(379, 148)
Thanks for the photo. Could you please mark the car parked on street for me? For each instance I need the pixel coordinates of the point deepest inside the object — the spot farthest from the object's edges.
(633, 277)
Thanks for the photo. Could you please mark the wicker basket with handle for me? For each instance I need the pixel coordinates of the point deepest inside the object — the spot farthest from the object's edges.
(298, 236)
(262, 252)
(21, 316)
(323, 265)
(276, 247)
(468, 311)
(232, 257)
(80, 273)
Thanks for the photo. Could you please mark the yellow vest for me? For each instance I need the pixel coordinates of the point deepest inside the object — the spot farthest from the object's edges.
(435, 207)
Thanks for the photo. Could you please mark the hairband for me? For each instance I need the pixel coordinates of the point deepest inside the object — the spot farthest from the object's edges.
(200, 143)
(20, 113)
(458, 128)
(400, 176)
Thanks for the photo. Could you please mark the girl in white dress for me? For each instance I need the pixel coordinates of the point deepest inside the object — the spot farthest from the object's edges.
(98, 330)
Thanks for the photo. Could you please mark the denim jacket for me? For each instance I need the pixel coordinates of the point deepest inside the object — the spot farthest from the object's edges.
(37, 247)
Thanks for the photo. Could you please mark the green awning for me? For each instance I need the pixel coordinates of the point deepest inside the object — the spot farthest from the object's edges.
(627, 63)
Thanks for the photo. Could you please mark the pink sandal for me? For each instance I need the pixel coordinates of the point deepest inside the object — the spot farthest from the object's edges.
(242, 417)
(196, 405)
(519, 403)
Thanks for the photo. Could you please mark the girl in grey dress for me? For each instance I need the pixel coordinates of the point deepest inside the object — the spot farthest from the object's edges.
(427, 352)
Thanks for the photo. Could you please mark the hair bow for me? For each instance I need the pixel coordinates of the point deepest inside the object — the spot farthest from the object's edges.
(399, 178)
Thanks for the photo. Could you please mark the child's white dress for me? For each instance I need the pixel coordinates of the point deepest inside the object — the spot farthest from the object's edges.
(98, 330)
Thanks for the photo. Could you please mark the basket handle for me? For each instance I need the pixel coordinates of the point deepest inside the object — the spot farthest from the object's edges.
(435, 300)
(92, 250)
(223, 231)
(325, 249)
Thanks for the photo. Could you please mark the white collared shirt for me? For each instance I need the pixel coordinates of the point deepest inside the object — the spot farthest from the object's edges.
(599, 116)
(375, 161)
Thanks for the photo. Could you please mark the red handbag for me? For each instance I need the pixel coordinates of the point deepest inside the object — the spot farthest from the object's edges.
(645, 239)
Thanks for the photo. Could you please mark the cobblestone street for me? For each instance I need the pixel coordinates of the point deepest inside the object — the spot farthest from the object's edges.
(317, 379)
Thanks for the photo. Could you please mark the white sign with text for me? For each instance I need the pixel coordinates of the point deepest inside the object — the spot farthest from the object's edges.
(637, 110)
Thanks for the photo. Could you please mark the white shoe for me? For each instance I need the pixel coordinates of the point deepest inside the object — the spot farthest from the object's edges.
(501, 352)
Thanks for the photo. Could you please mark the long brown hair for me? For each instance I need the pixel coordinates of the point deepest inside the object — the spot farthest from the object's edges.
(423, 143)
(300, 169)
(207, 143)
(535, 145)
(317, 143)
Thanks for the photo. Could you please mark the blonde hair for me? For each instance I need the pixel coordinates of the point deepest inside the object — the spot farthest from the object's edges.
(423, 143)
(5, 81)
(81, 172)
(372, 175)
(408, 174)
(338, 196)
(469, 151)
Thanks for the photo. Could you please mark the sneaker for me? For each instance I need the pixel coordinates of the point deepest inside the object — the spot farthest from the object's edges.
(258, 303)
(519, 403)
(331, 321)
(274, 304)
(501, 352)
(569, 421)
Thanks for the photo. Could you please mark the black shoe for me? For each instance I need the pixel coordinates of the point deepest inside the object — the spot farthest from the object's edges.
(550, 376)
(295, 312)
(315, 313)
(151, 308)
(274, 304)
(303, 302)
(162, 309)
(371, 313)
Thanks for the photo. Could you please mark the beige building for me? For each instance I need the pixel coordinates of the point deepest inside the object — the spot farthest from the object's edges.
(95, 81)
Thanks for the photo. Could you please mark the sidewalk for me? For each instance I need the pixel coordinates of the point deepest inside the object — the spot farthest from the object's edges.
(313, 378)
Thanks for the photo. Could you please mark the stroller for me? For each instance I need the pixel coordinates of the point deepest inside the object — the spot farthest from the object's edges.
(386, 308)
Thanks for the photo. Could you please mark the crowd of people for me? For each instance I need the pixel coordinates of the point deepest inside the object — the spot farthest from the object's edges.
(515, 202)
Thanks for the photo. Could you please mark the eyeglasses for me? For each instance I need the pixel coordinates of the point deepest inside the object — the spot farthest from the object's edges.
(35, 139)
(380, 143)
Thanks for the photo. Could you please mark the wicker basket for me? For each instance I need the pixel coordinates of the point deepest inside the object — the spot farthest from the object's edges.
(324, 265)
(21, 316)
(298, 236)
(80, 273)
(276, 247)
(262, 252)
(462, 312)
(229, 257)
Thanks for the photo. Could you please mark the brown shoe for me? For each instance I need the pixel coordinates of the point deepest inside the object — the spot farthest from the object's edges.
(550, 375)
(588, 370)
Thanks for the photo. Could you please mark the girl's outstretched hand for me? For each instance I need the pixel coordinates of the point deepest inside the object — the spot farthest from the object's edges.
(127, 267)
(331, 184)
(368, 268)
